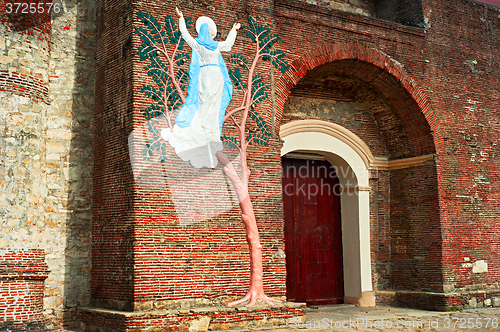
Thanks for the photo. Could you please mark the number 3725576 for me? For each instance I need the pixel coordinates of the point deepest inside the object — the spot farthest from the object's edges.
(32, 8)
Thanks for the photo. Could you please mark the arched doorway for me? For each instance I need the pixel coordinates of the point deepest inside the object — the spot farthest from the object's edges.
(360, 110)
(349, 157)
(313, 236)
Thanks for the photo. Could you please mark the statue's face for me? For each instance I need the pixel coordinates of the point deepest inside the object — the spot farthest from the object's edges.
(211, 32)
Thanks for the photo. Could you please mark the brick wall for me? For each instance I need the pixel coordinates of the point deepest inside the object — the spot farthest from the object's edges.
(141, 225)
(418, 54)
(464, 73)
(113, 205)
(384, 79)
(206, 257)
(415, 231)
(363, 7)
(22, 275)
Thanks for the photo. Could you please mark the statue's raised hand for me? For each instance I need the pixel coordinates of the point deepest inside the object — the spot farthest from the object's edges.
(178, 12)
(236, 26)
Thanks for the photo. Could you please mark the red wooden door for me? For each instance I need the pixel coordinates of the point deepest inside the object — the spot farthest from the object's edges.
(313, 236)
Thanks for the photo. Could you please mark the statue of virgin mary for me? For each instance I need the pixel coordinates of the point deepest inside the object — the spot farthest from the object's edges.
(198, 125)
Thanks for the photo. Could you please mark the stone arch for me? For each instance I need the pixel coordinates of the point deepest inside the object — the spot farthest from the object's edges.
(403, 181)
(349, 51)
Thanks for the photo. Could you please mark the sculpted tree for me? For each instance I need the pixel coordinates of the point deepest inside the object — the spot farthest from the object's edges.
(163, 49)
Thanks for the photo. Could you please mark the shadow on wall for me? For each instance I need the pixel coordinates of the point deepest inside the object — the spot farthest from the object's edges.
(73, 40)
(406, 12)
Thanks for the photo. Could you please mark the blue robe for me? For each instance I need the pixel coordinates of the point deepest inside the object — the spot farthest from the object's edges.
(189, 108)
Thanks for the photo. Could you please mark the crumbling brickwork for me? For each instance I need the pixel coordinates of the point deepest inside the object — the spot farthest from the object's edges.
(22, 275)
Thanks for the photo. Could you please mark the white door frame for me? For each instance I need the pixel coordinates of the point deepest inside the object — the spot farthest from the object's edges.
(351, 157)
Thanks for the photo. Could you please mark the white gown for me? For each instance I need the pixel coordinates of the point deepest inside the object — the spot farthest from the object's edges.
(199, 142)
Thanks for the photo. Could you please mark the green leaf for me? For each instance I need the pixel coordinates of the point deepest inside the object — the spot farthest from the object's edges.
(229, 141)
(239, 59)
(249, 139)
(189, 22)
(152, 111)
(182, 75)
(261, 139)
(259, 89)
(235, 75)
(170, 27)
(261, 123)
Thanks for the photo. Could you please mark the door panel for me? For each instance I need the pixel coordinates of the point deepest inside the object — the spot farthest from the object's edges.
(312, 232)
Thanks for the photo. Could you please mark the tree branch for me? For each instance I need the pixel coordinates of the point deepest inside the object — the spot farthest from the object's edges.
(163, 70)
(250, 140)
(230, 114)
(245, 172)
(234, 121)
(153, 44)
(171, 73)
(241, 108)
(174, 81)
(167, 112)
(260, 34)
(267, 43)
(258, 89)
(175, 49)
(159, 139)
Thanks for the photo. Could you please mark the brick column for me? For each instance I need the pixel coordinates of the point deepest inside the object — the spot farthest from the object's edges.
(22, 275)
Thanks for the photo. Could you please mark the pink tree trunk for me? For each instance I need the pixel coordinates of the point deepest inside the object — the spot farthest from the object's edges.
(256, 287)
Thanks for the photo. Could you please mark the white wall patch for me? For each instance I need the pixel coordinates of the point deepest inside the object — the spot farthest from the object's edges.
(480, 266)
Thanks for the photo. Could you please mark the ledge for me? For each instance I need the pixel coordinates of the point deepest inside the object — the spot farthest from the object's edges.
(449, 294)
(401, 163)
(429, 300)
(208, 309)
(199, 319)
(354, 142)
(329, 14)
